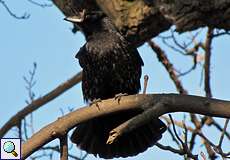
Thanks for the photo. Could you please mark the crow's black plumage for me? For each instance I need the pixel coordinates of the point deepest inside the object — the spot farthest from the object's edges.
(111, 65)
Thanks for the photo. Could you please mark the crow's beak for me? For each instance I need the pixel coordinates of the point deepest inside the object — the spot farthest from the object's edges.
(74, 19)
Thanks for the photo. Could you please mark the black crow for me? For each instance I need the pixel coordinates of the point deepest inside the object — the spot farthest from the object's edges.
(111, 65)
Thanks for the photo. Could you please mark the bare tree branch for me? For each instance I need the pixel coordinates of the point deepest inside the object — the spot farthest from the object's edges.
(140, 21)
(132, 123)
(223, 132)
(172, 103)
(177, 123)
(24, 16)
(64, 147)
(43, 5)
(171, 149)
(56, 149)
(220, 33)
(146, 78)
(227, 134)
(184, 145)
(170, 69)
(207, 64)
(168, 66)
(39, 102)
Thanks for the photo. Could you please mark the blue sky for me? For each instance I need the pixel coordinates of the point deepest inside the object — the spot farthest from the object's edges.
(47, 40)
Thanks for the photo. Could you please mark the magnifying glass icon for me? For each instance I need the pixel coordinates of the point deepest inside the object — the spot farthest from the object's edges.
(9, 147)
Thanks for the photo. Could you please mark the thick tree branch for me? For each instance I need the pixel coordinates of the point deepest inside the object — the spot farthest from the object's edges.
(13, 121)
(132, 123)
(172, 103)
(139, 21)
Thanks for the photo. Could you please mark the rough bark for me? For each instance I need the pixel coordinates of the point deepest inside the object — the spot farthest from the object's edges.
(170, 103)
(140, 20)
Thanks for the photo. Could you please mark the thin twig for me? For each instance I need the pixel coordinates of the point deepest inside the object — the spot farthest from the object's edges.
(207, 63)
(39, 4)
(207, 85)
(175, 132)
(227, 134)
(25, 16)
(223, 133)
(220, 33)
(64, 147)
(20, 130)
(40, 102)
(168, 66)
(173, 137)
(203, 155)
(146, 78)
(25, 128)
(57, 149)
(177, 123)
(171, 149)
(183, 144)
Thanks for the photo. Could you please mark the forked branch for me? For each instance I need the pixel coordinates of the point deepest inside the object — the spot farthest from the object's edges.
(169, 103)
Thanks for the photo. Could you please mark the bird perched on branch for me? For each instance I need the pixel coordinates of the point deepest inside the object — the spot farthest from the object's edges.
(111, 65)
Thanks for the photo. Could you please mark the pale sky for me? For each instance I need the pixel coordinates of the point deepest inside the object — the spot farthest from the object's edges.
(45, 38)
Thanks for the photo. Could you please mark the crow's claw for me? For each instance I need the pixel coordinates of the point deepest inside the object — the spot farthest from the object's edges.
(119, 95)
(95, 101)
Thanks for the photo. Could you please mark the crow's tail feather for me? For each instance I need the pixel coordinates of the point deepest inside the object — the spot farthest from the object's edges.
(92, 135)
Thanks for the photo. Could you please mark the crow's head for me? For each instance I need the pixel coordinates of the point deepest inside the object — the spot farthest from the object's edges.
(85, 20)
